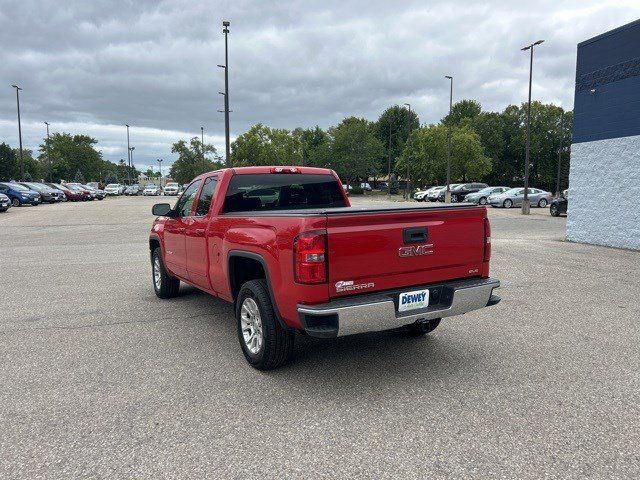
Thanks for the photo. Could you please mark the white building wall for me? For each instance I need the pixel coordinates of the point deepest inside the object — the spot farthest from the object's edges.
(604, 193)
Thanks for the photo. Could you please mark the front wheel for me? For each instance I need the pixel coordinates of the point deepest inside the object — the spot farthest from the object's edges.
(554, 210)
(507, 203)
(265, 343)
(482, 201)
(542, 203)
(15, 202)
(164, 284)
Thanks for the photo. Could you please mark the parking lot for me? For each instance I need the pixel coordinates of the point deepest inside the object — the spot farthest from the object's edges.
(100, 378)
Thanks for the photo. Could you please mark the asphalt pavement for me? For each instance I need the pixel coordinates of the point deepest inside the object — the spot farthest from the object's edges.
(101, 379)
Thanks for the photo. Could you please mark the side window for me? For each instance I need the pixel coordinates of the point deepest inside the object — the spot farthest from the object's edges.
(206, 196)
(183, 207)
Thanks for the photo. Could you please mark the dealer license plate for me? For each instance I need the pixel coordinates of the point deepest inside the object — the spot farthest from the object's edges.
(413, 300)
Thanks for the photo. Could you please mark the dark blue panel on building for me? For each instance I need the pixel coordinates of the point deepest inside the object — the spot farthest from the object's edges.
(607, 101)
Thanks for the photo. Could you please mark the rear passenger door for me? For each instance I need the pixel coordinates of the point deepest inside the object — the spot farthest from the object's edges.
(198, 248)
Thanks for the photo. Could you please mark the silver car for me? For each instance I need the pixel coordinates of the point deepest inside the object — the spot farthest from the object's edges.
(480, 197)
(515, 196)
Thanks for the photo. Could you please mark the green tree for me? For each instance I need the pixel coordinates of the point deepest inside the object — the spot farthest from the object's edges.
(392, 129)
(355, 149)
(315, 146)
(464, 109)
(194, 159)
(8, 163)
(79, 178)
(72, 153)
(263, 145)
(426, 154)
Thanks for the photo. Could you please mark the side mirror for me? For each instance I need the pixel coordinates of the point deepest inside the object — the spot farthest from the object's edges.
(162, 210)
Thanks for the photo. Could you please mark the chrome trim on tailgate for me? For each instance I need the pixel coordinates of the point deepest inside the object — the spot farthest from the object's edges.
(376, 312)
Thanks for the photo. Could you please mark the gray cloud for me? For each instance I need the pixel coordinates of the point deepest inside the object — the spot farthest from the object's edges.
(93, 66)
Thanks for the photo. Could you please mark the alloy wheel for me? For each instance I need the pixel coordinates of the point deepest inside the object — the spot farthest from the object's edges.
(251, 324)
(157, 273)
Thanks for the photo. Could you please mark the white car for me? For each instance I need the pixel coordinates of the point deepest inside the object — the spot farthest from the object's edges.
(171, 188)
(421, 195)
(151, 189)
(113, 189)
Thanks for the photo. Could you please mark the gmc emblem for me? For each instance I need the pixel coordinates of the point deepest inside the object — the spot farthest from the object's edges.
(415, 250)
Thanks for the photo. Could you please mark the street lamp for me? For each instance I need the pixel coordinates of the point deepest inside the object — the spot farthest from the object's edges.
(526, 205)
(447, 193)
(406, 187)
(48, 156)
(128, 155)
(225, 30)
(19, 131)
(202, 146)
(160, 160)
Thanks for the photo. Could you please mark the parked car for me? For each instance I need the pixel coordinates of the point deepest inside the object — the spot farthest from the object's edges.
(182, 189)
(113, 189)
(94, 185)
(269, 258)
(151, 189)
(435, 192)
(83, 192)
(47, 194)
(5, 203)
(171, 188)
(559, 205)
(366, 186)
(70, 195)
(515, 196)
(96, 192)
(480, 197)
(423, 195)
(442, 192)
(19, 194)
(132, 189)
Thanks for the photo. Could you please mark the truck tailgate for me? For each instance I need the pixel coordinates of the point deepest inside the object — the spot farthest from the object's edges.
(382, 250)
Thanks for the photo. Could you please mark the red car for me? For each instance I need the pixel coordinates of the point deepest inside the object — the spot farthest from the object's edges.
(286, 248)
(71, 195)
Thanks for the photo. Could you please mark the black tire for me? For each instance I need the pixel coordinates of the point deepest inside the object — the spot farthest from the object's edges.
(15, 202)
(507, 203)
(482, 201)
(420, 328)
(166, 286)
(554, 210)
(542, 203)
(277, 343)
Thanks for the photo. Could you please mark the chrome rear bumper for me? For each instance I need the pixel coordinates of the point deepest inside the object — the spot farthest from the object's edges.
(379, 311)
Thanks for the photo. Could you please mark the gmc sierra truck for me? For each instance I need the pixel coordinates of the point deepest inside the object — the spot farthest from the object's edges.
(284, 245)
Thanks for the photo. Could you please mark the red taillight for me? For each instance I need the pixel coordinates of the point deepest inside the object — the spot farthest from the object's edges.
(309, 257)
(487, 240)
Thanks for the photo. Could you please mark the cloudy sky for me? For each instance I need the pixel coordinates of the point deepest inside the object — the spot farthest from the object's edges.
(92, 66)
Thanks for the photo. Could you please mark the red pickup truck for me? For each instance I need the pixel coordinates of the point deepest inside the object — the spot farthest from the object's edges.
(285, 246)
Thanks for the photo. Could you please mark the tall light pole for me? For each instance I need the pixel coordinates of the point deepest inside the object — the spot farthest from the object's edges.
(128, 155)
(526, 205)
(447, 193)
(559, 157)
(202, 146)
(406, 187)
(225, 30)
(48, 156)
(130, 162)
(160, 160)
(19, 131)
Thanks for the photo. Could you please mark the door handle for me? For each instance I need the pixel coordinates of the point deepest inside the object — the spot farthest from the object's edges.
(200, 232)
(414, 235)
(181, 230)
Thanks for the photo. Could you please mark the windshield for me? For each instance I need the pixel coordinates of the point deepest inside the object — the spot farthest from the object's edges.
(18, 187)
(487, 190)
(281, 191)
(151, 185)
(172, 185)
(513, 191)
(35, 186)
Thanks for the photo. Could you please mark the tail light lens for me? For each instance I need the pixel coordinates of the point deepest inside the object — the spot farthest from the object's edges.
(309, 257)
(487, 240)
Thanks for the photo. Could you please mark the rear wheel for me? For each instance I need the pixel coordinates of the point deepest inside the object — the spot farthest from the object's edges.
(164, 284)
(265, 344)
(422, 327)
(507, 203)
(542, 203)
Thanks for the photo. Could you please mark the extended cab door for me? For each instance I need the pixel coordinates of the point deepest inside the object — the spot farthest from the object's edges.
(174, 232)
(196, 238)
